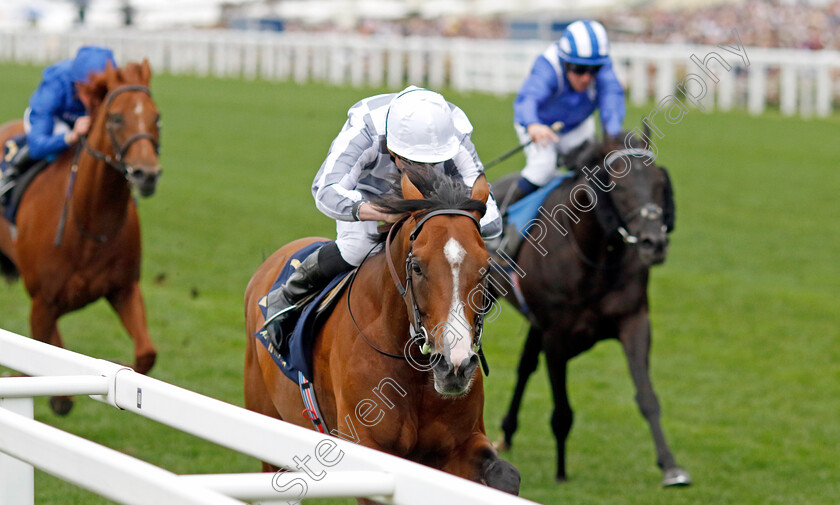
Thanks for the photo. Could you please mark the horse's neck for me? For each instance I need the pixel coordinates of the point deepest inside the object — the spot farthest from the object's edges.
(101, 194)
(586, 240)
(382, 301)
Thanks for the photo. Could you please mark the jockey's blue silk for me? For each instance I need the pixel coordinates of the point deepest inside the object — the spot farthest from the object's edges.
(358, 164)
(56, 100)
(546, 96)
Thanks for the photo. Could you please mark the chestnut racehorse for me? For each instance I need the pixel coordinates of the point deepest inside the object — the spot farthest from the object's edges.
(435, 255)
(78, 234)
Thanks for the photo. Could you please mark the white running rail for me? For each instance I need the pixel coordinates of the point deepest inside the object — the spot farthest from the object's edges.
(26, 443)
(797, 81)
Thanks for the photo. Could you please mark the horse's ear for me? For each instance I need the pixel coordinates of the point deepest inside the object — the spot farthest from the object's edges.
(94, 92)
(646, 130)
(409, 190)
(145, 71)
(480, 189)
(112, 76)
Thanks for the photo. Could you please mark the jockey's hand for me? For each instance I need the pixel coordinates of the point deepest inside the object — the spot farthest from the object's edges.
(370, 212)
(542, 134)
(80, 127)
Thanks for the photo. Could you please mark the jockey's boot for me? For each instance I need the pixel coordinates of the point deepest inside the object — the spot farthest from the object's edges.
(511, 239)
(313, 273)
(20, 163)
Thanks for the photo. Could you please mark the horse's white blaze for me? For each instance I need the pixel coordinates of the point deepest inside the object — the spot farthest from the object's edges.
(457, 334)
(138, 109)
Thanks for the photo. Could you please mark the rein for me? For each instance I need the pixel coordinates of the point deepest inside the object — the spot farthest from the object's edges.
(116, 161)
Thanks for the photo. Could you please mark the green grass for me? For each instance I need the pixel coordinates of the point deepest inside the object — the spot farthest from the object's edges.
(745, 356)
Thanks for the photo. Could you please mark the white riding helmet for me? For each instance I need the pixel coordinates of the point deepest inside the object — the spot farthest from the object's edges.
(419, 127)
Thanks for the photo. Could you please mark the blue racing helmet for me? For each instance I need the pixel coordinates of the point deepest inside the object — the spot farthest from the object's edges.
(585, 43)
(90, 59)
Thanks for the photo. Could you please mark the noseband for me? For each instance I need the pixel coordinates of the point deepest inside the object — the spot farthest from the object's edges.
(648, 210)
(416, 327)
(116, 161)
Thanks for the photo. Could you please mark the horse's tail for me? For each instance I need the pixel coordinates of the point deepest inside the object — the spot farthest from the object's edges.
(8, 269)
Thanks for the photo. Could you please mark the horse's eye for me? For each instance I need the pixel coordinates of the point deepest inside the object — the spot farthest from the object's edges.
(415, 269)
(115, 119)
(158, 123)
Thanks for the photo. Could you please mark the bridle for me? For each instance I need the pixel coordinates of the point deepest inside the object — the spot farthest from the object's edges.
(416, 327)
(116, 161)
(649, 210)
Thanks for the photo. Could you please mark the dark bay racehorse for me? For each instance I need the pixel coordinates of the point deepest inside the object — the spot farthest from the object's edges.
(436, 255)
(585, 279)
(78, 234)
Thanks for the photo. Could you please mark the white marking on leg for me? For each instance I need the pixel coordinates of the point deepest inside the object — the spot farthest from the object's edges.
(456, 334)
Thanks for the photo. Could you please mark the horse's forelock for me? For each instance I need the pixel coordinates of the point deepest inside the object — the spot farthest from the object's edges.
(439, 190)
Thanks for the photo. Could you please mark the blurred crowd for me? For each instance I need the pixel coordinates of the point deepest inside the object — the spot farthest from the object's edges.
(760, 23)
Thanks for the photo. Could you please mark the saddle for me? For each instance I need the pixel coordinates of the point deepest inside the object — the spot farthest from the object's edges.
(291, 348)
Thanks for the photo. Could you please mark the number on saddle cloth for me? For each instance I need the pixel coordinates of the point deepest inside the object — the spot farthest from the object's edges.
(11, 148)
(18, 171)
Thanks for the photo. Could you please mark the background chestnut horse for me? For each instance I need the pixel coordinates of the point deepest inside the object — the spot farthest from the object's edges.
(439, 420)
(589, 282)
(99, 250)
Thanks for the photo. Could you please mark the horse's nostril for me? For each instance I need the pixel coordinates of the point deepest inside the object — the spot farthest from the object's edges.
(647, 243)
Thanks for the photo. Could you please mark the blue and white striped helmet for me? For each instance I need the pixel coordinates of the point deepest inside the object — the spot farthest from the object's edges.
(585, 43)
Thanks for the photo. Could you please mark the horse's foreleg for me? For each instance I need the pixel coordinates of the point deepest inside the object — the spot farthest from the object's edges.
(43, 320)
(527, 365)
(562, 417)
(476, 460)
(635, 338)
(128, 303)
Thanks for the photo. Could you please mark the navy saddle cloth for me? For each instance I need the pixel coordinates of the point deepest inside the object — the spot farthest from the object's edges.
(11, 200)
(295, 353)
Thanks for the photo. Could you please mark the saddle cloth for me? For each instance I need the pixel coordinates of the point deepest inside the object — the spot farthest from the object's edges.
(10, 202)
(293, 350)
(522, 212)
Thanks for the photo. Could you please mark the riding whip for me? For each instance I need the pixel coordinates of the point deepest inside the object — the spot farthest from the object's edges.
(557, 126)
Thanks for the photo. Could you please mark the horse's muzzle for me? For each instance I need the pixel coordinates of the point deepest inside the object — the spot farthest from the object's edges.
(653, 248)
(452, 381)
(144, 178)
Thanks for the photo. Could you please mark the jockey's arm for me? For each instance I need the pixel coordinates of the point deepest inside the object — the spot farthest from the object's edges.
(334, 187)
(470, 167)
(610, 100)
(540, 86)
(43, 105)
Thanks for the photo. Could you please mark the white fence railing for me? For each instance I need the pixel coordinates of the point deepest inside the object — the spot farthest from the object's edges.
(25, 443)
(798, 81)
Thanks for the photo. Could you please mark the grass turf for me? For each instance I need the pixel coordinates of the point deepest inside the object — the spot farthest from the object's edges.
(745, 355)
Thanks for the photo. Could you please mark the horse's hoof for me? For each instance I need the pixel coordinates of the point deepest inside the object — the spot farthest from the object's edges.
(61, 405)
(561, 479)
(501, 445)
(145, 363)
(676, 477)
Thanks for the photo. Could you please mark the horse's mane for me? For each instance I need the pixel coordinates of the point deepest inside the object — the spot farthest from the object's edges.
(439, 190)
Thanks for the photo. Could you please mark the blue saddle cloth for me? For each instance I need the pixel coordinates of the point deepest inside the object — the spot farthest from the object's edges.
(297, 355)
(522, 212)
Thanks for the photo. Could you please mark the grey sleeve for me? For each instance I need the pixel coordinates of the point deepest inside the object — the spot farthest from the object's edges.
(334, 187)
